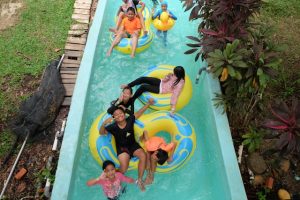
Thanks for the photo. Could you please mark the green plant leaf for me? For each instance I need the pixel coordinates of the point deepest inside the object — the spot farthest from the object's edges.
(231, 71)
(240, 64)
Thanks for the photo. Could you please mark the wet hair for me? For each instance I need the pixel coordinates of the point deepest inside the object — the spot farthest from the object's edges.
(130, 9)
(106, 163)
(162, 156)
(117, 108)
(179, 73)
(127, 88)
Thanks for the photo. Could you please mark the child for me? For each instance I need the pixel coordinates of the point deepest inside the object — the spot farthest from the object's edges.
(172, 83)
(110, 180)
(125, 101)
(130, 28)
(157, 152)
(122, 11)
(164, 6)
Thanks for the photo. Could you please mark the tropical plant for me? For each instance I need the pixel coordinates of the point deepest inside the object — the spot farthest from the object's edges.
(252, 139)
(223, 21)
(230, 61)
(286, 120)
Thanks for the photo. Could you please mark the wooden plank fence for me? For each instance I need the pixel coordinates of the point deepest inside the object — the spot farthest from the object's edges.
(74, 47)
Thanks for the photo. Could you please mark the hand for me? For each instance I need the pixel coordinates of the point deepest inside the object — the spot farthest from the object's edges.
(121, 97)
(108, 121)
(170, 159)
(172, 112)
(124, 86)
(151, 101)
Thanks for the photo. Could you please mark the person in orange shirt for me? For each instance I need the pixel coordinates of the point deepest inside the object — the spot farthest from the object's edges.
(130, 28)
(157, 151)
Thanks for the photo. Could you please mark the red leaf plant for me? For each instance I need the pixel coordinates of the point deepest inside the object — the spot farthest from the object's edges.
(286, 121)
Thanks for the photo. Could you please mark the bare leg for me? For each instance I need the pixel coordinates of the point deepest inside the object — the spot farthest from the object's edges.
(142, 22)
(150, 175)
(134, 39)
(141, 167)
(116, 41)
(124, 162)
(120, 18)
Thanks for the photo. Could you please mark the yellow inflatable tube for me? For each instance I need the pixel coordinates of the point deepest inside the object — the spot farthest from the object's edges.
(144, 41)
(162, 101)
(163, 23)
(181, 131)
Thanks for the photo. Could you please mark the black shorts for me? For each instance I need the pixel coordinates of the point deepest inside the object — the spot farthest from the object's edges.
(129, 149)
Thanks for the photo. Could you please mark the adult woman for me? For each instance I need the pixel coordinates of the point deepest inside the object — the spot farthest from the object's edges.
(172, 83)
(127, 147)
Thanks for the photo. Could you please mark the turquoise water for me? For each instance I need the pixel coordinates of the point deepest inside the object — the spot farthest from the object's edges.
(202, 177)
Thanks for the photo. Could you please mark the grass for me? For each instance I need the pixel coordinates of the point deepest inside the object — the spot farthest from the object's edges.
(284, 16)
(26, 49)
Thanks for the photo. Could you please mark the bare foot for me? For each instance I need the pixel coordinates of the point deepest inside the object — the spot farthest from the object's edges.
(108, 52)
(149, 179)
(113, 30)
(141, 185)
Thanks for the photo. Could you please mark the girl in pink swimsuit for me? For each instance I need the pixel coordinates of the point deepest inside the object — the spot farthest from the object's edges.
(110, 180)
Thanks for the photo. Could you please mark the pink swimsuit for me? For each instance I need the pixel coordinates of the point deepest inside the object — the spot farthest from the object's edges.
(113, 188)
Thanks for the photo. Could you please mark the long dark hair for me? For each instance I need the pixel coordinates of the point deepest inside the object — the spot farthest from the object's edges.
(179, 73)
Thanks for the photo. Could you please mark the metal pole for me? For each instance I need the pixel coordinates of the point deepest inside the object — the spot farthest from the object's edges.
(13, 168)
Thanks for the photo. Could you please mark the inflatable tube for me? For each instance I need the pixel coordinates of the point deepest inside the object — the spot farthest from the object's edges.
(162, 101)
(164, 22)
(144, 41)
(180, 130)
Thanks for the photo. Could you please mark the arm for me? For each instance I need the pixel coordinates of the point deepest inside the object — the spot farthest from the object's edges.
(170, 159)
(175, 95)
(95, 181)
(172, 15)
(167, 77)
(145, 136)
(156, 14)
(124, 178)
(102, 130)
(144, 108)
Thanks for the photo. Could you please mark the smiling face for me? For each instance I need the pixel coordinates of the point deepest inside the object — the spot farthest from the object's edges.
(130, 15)
(110, 171)
(126, 94)
(119, 115)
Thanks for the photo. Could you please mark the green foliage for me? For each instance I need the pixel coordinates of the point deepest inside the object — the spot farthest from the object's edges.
(27, 47)
(228, 62)
(280, 8)
(7, 139)
(262, 195)
(252, 139)
(44, 174)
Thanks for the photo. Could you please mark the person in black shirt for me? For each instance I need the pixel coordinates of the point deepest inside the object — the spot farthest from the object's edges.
(125, 101)
(127, 147)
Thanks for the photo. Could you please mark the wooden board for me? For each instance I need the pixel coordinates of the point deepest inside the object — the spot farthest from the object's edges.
(69, 80)
(70, 76)
(84, 1)
(84, 21)
(82, 6)
(67, 101)
(76, 40)
(80, 16)
(69, 89)
(77, 33)
(70, 53)
(79, 27)
(70, 65)
(78, 47)
(81, 11)
(71, 61)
